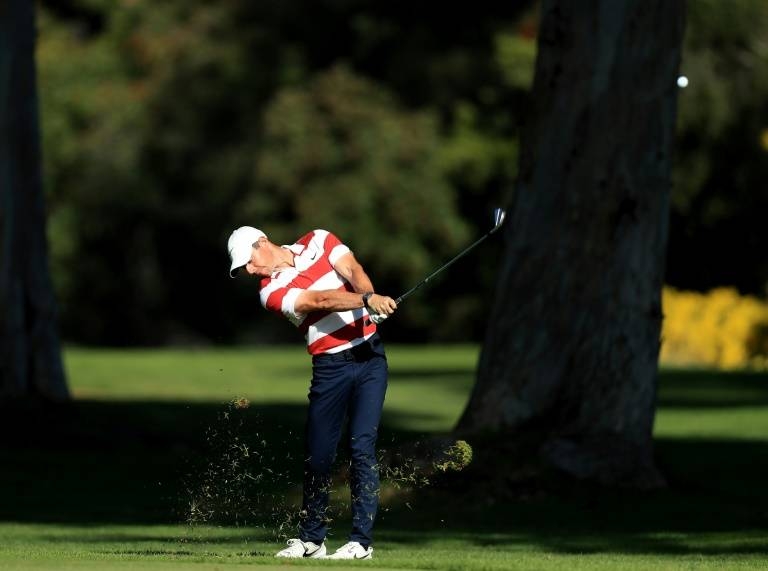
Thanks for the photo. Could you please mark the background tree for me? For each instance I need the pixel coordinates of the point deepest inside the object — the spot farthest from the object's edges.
(30, 358)
(570, 360)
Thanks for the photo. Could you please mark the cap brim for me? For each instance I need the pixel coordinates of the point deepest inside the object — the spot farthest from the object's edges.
(240, 246)
(237, 263)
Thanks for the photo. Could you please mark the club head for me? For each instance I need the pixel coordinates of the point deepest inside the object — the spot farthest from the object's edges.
(498, 218)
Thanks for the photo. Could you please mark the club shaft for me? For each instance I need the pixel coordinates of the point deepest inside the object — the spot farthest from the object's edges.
(445, 266)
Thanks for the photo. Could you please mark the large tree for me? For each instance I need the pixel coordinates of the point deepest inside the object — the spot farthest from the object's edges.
(30, 356)
(570, 358)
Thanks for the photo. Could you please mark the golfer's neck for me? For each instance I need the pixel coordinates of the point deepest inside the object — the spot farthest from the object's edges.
(285, 256)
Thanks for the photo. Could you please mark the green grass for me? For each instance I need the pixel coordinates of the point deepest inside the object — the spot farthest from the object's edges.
(105, 484)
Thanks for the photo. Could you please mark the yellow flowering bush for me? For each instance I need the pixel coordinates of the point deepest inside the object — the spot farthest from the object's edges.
(718, 329)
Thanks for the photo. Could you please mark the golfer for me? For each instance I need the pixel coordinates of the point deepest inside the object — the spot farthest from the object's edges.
(318, 285)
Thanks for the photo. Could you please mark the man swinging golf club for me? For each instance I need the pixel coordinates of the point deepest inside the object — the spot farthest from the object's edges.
(319, 286)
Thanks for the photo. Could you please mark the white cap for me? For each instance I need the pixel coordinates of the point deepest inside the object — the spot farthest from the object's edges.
(240, 243)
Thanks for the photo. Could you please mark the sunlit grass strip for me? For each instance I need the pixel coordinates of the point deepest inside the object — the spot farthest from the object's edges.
(47, 546)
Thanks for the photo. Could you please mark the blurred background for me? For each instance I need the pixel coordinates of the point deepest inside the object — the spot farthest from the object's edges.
(166, 125)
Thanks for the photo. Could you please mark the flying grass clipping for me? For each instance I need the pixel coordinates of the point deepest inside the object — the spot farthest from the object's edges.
(238, 479)
(457, 457)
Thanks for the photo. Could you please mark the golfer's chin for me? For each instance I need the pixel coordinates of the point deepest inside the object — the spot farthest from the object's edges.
(259, 274)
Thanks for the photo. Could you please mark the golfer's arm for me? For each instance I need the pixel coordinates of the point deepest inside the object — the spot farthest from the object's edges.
(327, 300)
(334, 300)
(353, 272)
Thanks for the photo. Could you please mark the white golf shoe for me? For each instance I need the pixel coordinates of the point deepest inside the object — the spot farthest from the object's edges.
(352, 550)
(298, 548)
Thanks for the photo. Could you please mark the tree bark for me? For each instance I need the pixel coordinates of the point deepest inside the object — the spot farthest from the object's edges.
(30, 355)
(570, 357)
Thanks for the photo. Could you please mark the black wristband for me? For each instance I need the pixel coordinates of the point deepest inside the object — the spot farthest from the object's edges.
(366, 297)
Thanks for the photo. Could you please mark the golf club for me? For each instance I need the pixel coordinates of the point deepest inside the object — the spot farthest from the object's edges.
(498, 219)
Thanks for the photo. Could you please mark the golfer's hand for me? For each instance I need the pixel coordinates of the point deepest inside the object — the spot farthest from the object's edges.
(381, 305)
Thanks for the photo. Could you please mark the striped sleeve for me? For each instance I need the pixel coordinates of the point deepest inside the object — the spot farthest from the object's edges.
(281, 299)
(335, 248)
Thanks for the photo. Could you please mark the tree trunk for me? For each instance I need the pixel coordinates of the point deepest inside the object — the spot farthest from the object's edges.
(570, 357)
(30, 356)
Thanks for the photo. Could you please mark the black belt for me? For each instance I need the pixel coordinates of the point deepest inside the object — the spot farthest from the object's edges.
(362, 352)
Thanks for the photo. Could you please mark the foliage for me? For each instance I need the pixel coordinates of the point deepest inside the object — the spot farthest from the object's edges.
(721, 165)
(165, 126)
(716, 329)
(162, 132)
(340, 155)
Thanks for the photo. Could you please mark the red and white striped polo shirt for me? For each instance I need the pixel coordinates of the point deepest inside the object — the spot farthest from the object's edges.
(325, 331)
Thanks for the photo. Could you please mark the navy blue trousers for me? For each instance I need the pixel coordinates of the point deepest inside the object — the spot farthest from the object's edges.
(347, 387)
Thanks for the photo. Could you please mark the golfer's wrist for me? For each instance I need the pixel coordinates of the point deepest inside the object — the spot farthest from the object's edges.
(366, 299)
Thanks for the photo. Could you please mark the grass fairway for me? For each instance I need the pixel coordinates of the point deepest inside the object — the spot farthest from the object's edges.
(107, 482)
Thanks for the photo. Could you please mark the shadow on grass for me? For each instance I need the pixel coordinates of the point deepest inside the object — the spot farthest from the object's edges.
(458, 383)
(95, 462)
(142, 462)
(712, 389)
